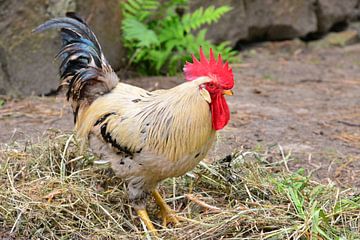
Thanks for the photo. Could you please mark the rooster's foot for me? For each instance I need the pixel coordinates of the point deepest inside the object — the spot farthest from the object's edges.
(167, 214)
(169, 217)
(142, 213)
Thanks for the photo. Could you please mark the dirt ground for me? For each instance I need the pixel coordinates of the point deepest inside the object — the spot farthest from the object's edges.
(307, 101)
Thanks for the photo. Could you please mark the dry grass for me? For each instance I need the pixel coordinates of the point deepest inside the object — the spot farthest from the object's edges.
(350, 138)
(49, 191)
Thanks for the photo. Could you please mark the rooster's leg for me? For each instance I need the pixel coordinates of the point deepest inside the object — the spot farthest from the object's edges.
(142, 213)
(167, 214)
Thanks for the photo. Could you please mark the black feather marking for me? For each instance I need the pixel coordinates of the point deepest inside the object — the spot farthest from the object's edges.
(76, 113)
(75, 16)
(136, 100)
(79, 80)
(167, 138)
(103, 131)
(67, 36)
(107, 138)
(197, 155)
(103, 118)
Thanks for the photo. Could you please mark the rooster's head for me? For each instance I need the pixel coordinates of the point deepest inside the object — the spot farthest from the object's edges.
(220, 84)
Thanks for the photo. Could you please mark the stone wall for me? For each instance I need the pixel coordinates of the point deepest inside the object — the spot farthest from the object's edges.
(26, 65)
(278, 19)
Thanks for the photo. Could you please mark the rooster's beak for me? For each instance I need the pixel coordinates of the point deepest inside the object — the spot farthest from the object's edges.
(228, 92)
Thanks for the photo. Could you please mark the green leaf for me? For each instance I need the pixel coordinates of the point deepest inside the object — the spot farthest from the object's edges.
(318, 218)
(2, 102)
(139, 9)
(199, 17)
(159, 57)
(171, 29)
(159, 40)
(297, 200)
(135, 30)
(227, 52)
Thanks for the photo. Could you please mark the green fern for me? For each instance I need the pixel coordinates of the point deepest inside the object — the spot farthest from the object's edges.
(195, 20)
(138, 32)
(139, 9)
(159, 40)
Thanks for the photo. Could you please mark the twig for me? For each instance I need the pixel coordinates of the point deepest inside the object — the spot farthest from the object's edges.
(203, 204)
(349, 124)
(285, 158)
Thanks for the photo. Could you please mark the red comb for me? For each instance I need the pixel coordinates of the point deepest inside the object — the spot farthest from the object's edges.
(215, 69)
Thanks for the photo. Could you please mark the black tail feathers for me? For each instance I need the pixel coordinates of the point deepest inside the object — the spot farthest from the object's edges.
(84, 71)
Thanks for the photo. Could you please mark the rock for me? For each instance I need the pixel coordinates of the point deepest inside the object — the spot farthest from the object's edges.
(262, 20)
(4, 76)
(26, 58)
(331, 12)
(232, 26)
(340, 39)
(26, 65)
(104, 18)
(354, 26)
(280, 19)
(253, 20)
(344, 38)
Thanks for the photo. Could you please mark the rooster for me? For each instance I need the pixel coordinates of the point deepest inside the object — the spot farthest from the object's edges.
(146, 136)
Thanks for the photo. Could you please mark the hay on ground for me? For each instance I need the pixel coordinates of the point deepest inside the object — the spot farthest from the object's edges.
(49, 190)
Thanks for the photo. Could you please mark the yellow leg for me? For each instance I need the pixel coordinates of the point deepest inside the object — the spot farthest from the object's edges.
(142, 213)
(167, 214)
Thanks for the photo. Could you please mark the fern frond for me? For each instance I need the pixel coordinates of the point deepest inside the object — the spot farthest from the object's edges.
(159, 39)
(139, 9)
(171, 29)
(133, 30)
(227, 52)
(192, 21)
(159, 58)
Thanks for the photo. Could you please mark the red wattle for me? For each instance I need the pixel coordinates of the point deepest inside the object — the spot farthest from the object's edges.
(219, 111)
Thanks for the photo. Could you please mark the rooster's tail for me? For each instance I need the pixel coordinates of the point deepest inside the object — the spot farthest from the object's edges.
(85, 73)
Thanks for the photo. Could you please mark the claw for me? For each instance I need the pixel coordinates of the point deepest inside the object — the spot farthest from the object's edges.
(167, 214)
(169, 217)
(142, 213)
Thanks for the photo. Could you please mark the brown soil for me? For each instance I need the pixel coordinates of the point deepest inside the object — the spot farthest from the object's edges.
(306, 101)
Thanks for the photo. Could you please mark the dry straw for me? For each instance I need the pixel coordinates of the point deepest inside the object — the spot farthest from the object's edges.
(48, 190)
